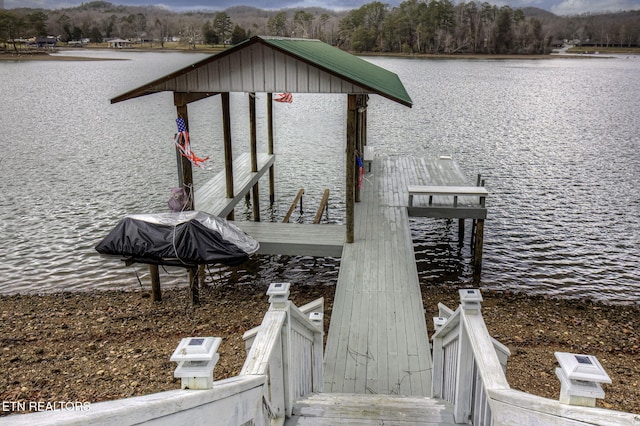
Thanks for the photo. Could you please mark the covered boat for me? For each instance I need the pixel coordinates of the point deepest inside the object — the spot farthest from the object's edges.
(185, 239)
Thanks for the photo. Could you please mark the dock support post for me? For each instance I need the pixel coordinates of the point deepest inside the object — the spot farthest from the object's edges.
(460, 231)
(254, 155)
(272, 179)
(186, 173)
(228, 149)
(156, 293)
(477, 252)
(194, 286)
(352, 112)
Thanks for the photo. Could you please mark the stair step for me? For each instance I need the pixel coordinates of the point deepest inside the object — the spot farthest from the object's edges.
(356, 409)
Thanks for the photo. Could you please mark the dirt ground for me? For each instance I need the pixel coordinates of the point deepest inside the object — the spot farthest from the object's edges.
(98, 346)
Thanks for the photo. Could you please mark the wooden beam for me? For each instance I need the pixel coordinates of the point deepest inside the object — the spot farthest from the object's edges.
(156, 293)
(322, 207)
(186, 173)
(254, 155)
(228, 148)
(477, 250)
(352, 111)
(272, 179)
(293, 206)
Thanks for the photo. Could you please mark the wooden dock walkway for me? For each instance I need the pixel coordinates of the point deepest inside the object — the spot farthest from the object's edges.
(211, 197)
(351, 409)
(378, 342)
(296, 239)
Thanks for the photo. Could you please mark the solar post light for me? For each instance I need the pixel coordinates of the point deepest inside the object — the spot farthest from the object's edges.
(316, 318)
(580, 377)
(439, 322)
(278, 295)
(196, 358)
(470, 299)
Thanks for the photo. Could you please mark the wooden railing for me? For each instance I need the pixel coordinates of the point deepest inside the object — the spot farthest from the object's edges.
(288, 348)
(469, 372)
(284, 362)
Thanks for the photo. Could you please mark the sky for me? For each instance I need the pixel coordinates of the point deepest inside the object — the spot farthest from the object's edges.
(559, 7)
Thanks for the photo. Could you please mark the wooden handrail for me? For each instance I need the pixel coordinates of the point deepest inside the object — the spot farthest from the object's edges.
(323, 205)
(293, 206)
(466, 357)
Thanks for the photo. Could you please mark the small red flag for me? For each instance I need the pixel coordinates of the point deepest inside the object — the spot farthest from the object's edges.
(284, 97)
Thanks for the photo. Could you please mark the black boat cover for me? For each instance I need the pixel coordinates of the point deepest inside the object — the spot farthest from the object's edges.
(186, 239)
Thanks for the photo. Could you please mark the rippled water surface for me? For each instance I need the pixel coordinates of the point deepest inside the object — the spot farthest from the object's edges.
(556, 140)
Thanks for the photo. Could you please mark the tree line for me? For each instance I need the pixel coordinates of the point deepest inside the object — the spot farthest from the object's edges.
(415, 26)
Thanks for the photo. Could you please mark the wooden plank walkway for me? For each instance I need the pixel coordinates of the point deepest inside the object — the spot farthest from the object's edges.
(211, 197)
(378, 342)
(296, 239)
(351, 409)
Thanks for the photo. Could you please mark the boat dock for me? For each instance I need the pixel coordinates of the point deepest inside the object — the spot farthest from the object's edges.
(378, 340)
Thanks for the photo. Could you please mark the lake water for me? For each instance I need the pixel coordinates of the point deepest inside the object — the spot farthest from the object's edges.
(556, 140)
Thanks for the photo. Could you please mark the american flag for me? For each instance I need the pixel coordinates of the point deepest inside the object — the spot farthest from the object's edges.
(184, 146)
(284, 97)
(182, 127)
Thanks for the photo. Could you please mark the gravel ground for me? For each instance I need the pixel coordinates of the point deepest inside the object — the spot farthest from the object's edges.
(91, 347)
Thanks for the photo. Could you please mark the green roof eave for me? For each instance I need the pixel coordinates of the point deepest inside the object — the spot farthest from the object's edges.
(370, 77)
(344, 65)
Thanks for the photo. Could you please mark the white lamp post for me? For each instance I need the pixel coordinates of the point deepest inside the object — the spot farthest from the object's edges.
(580, 377)
(196, 358)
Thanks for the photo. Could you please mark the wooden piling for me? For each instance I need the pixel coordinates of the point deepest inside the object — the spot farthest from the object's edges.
(194, 286)
(477, 251)
(322, 207)
(352, 110)
(228, 150)
(272, 180)
(156, 293)
(254, 155)
(293, 206)
(181, 100)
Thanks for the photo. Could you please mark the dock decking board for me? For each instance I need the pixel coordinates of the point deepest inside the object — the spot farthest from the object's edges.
(378, 342)
(296, 239)
(211, 197)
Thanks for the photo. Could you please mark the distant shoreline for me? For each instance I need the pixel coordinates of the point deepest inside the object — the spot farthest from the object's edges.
(44, 56)
(20, 57)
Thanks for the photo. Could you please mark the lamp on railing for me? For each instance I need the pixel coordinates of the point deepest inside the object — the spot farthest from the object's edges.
(278, 295)
(196, 358)
(470, 299)
(580, 377)
(316, 318)
(439, 322)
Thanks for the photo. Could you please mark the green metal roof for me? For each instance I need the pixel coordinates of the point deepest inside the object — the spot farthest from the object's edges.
(345, 65)
(369, 78)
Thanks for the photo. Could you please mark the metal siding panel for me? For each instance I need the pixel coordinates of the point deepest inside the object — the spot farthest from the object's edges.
(247, 71)
(280, 73)
(259, 70)
(203, 78)
(290, 75)
(302, 77)
(314, 80)
(235, 76)
(221, 77)
(270, 71)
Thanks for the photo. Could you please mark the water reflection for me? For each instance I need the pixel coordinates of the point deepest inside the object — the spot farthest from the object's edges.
(556, 141)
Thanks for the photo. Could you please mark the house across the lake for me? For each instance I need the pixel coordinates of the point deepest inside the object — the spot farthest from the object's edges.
(119, 43)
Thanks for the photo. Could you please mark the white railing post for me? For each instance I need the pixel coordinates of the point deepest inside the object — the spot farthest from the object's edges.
(317, 319)
(580, 377)
(438, 359)
(470, 303)
(196, 358)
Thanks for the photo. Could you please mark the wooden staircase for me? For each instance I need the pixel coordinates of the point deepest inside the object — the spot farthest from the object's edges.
(356, 409)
